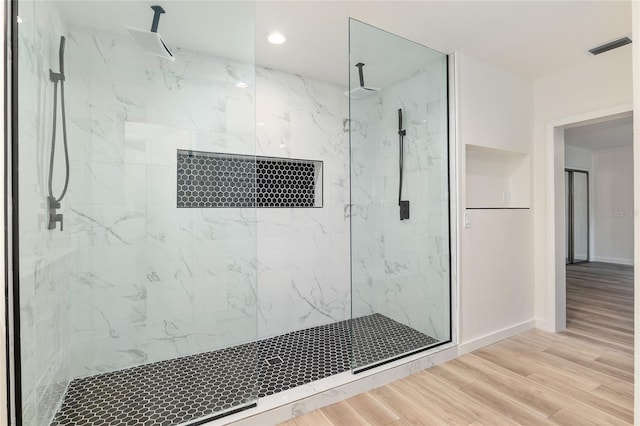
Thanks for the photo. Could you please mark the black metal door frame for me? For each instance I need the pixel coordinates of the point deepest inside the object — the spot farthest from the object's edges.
(570, 232)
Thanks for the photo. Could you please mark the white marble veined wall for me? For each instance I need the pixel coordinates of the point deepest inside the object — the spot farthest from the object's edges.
(155, 282)
(47, 258)
(133, 279)
(401, 268)
(303, 254)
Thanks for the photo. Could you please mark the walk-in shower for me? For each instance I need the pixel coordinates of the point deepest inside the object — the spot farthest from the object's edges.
(231, 228)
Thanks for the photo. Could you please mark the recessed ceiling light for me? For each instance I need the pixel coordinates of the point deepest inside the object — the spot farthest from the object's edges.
(260, 123)
(276, 38)
(241, 85)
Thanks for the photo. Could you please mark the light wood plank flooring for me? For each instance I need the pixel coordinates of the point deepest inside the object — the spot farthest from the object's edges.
(583, 376)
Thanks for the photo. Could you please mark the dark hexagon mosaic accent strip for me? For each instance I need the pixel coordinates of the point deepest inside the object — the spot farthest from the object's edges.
(189, 388)
(207, 179)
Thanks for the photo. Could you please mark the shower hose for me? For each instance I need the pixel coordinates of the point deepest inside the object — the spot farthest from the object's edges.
(59, 78)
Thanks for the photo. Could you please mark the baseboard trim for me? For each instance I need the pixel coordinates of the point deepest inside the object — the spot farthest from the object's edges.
(613, 260)
(491, 338)
(542, 325)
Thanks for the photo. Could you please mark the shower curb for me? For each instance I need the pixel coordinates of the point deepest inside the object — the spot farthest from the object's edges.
(296, 402)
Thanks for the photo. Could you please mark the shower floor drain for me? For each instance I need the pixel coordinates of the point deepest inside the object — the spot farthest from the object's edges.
(274, 361)
(186, 389)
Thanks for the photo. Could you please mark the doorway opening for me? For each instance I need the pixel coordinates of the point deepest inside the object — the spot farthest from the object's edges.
(593, 219)
(599, 227)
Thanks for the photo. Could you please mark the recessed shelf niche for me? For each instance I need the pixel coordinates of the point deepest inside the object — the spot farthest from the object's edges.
(497, 178)
(213, 180)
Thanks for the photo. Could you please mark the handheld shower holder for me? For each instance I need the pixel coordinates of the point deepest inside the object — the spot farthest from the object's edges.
(56, 76)
(54, 217)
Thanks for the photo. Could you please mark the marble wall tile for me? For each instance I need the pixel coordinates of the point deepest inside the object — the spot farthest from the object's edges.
(153, 281)
(301, 278)
(46, 257)
(149, 281)
(401, 268)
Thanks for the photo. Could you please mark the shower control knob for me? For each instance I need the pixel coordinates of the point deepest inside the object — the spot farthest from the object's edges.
(58, 218)
(53, 219)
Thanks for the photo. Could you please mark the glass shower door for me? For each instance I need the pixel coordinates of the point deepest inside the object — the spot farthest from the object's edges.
(138, 300)
(400, 256)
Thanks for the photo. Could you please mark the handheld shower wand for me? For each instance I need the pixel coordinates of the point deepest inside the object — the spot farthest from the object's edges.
(53, 203)
(404, 205)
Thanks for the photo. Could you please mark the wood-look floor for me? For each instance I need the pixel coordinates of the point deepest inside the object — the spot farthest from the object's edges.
(583, 376)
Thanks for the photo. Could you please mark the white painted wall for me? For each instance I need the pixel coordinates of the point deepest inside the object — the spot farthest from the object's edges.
(496, 285)
(578, 158)
(610, 199)
(613, 205)
(604, 83)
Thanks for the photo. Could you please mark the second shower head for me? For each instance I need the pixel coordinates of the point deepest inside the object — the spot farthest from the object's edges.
(361, 91)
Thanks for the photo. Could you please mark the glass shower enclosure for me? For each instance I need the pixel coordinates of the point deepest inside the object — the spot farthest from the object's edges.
(130, 274)
(400, 292)
(197, 230)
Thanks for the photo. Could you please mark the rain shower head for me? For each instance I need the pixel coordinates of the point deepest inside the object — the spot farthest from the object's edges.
(361, 91)
(150, 41)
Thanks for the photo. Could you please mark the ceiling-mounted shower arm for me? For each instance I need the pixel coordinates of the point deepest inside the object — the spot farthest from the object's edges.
(157, 11)
(150, 41)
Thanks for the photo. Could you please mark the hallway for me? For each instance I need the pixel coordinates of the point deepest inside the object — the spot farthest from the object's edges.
(600, 303)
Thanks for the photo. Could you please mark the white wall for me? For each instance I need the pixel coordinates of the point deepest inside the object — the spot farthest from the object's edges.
(604, 83)
(612, 181)
(610, 200)
(578, 158)
(496, 285)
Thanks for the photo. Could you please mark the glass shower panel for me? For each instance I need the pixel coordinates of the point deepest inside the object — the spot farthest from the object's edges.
(46, 257)
(130, 276)
(399, 196)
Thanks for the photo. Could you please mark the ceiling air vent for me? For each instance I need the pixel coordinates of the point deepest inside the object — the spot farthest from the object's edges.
(610, 46)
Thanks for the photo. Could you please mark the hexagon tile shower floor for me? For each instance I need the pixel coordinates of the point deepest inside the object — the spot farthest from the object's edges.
(203, 386)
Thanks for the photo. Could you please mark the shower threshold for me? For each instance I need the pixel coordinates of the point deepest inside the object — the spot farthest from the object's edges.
(206, 386)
